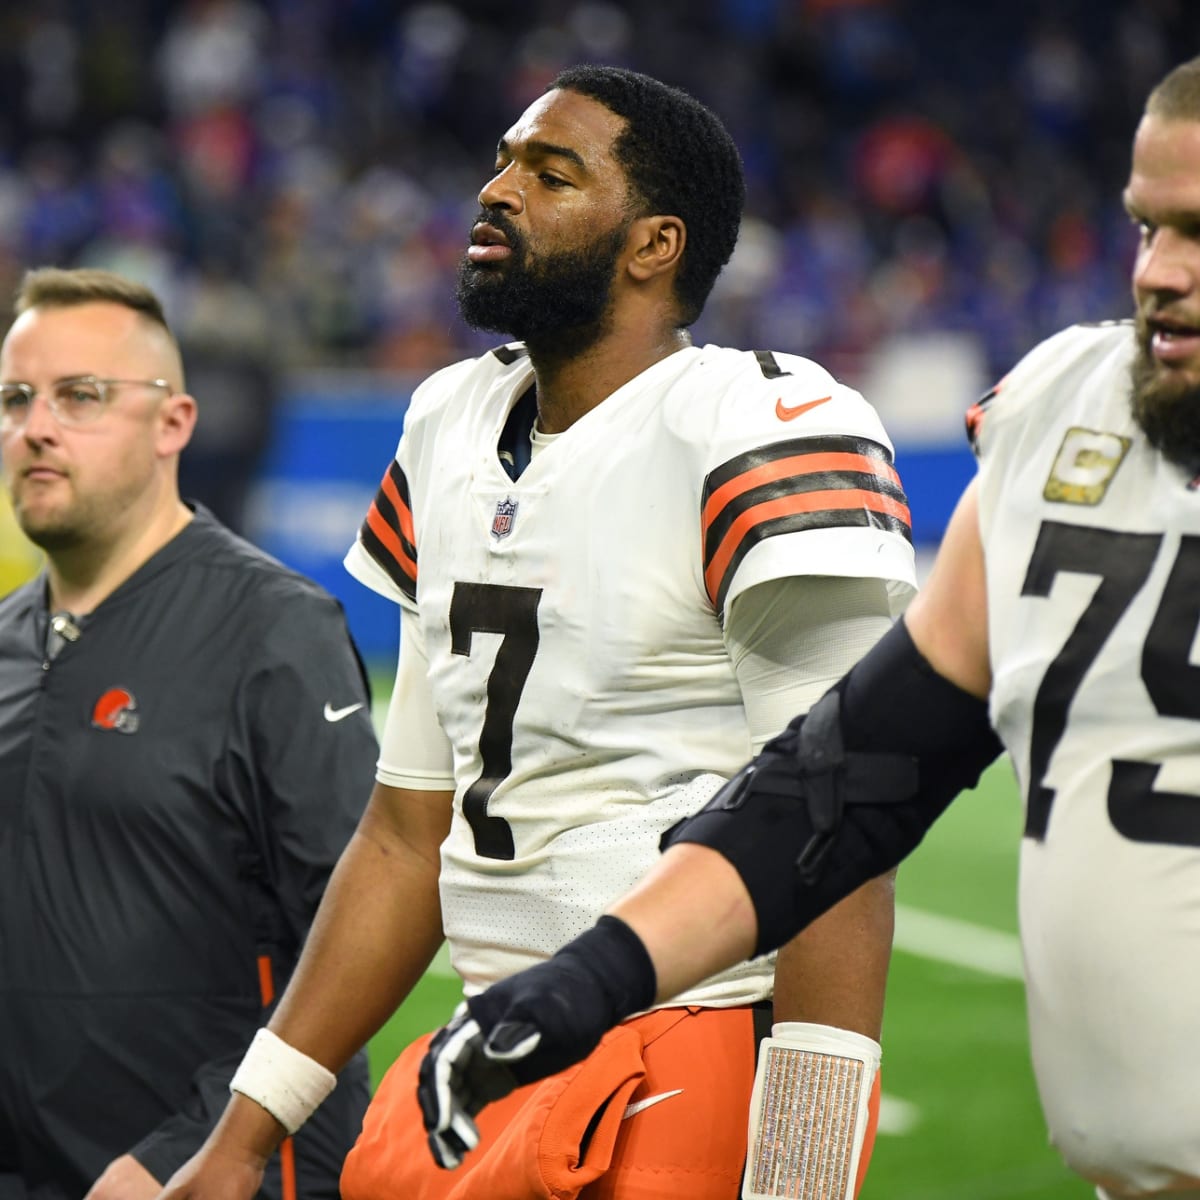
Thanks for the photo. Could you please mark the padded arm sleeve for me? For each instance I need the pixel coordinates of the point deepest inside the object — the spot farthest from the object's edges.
(848, 790)
(791, 639)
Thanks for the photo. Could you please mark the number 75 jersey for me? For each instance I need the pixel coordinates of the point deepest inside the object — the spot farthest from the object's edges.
(1092, 547)
(572, 618)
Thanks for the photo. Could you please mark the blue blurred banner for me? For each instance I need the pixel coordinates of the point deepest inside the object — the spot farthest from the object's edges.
(331, 446)
(934, 476)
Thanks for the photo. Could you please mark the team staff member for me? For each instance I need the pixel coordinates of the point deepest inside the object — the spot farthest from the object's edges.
(620, 558)
(1066, 597)
(185, 746)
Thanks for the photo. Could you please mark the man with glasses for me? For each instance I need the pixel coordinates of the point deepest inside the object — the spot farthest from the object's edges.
(185, 747)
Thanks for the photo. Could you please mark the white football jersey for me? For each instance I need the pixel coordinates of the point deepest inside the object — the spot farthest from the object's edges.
(572, 618)
(1092, 545)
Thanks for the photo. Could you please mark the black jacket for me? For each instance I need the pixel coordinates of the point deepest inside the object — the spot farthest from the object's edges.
(175, 787)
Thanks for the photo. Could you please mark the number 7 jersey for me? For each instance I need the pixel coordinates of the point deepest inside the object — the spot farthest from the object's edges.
(1092, 547)
(572, 619)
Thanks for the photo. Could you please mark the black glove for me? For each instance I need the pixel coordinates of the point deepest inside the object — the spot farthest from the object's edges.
(531, 1025)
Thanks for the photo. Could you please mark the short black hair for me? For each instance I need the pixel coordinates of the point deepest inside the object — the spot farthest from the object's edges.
(680, 161)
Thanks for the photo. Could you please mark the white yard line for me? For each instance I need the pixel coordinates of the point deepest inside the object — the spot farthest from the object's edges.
(897, 1117)
(960, 943)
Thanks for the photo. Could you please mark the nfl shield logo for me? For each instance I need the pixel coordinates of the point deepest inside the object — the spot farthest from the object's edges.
(502, 522)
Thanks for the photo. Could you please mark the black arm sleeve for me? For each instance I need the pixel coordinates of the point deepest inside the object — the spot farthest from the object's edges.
(849, 789)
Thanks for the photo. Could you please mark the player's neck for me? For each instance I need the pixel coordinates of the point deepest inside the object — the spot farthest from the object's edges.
(569, 388)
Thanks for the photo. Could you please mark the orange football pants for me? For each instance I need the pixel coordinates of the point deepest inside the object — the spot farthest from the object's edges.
(657, 1111)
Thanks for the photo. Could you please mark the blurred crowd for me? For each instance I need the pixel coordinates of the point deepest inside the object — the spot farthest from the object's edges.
(297, 177)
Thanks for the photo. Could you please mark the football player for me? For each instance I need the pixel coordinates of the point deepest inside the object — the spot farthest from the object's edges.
(621, 561)
(1061, 614)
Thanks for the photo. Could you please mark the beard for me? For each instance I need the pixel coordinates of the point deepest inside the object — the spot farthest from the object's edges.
(58, 529)
(557, 304)
(1166, 406)
(55, 528)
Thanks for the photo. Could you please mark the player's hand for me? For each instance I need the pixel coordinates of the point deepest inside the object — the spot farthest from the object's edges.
(210, 1175)
(457, 1077)
(124, 1179)
(517, 1031)
(534, 1024)
(231, 1163)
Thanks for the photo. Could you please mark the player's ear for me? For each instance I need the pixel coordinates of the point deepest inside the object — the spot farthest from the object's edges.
(174, 422)
(656, 246)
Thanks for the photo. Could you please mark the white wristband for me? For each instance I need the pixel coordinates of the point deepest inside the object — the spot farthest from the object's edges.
(284, 1081)
(809, 1112)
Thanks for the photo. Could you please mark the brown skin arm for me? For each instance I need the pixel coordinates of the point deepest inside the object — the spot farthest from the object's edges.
(378, 927)
(692, 911)
(835, 971)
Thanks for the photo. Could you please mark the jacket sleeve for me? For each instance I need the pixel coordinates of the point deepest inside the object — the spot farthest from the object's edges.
(300, 766)
(305, 752)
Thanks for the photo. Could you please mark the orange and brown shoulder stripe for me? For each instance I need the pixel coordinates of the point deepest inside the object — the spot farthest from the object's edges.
(828, 482)
(978, 412)
(387, 532)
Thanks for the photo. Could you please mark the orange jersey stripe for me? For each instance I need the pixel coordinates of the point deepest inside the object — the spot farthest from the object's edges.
(388, 537)
(795, 466)
(403, 513)
(826, 501)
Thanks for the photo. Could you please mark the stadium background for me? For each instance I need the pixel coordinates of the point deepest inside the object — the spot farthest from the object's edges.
(933, 186)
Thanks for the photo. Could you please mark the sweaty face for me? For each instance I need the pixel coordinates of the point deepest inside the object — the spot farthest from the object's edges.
(546, 247)
(76, 486)
(1163, 197)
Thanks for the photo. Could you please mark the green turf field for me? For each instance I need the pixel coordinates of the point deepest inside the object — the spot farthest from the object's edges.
(961, 1119)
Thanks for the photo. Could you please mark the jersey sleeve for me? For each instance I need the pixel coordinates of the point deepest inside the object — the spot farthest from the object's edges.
(792, 639)
(1001, 411)
(384, 555)
(802, 481)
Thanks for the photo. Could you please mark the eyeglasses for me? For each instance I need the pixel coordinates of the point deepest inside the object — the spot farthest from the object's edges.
(76, 401)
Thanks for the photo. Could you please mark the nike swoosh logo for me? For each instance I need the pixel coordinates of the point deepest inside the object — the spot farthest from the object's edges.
(784, 413)
(631, 1110)
(339, 714)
